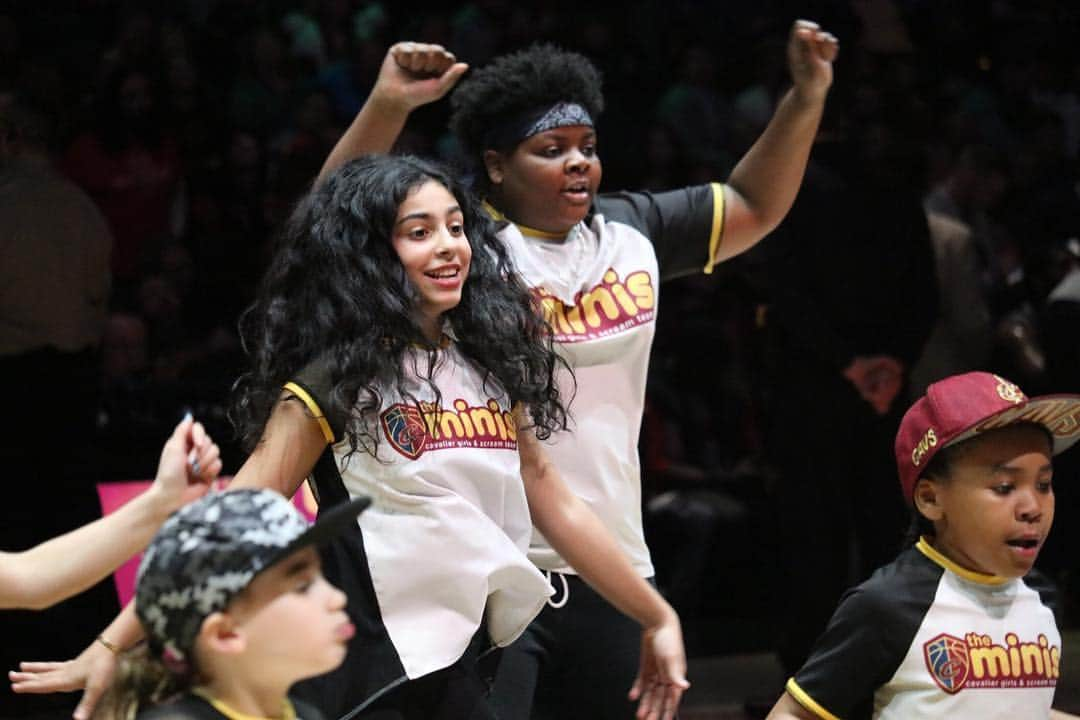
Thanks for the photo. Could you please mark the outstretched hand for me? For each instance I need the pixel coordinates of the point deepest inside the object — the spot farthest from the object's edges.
(92, 671)
(661, 679)
(415, 74)
(811, 52)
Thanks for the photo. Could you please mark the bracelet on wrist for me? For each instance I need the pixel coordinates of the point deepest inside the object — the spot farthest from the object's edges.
(113, 647)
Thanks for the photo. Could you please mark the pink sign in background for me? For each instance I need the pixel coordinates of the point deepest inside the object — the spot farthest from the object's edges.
(114, 494)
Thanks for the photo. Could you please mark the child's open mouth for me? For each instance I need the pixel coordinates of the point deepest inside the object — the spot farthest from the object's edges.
(1024, 543)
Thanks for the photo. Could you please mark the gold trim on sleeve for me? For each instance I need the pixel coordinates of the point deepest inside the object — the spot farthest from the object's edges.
(808, 702)
(717, 226)
(316, 411)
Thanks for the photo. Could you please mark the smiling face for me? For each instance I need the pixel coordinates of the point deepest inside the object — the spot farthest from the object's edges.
(429, 239)
(993, 511)
(549, 180)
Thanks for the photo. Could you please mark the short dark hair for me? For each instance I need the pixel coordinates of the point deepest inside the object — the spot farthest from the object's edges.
(939, 469)
(542, 74)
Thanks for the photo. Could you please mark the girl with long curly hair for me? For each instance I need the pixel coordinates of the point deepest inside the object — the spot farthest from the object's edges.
(527, 123)
(396, 353)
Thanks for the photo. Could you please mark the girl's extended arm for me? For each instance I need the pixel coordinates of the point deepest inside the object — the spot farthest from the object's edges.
(578, 535)
(66, 565)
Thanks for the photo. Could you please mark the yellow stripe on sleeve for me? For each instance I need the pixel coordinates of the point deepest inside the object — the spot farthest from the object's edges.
(316, 411)
(717, 226)
(808, 702)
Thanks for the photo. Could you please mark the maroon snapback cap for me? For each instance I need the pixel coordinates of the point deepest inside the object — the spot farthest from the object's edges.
(962, 406)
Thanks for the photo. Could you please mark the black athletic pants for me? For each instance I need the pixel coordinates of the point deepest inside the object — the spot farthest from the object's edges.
(574, 661)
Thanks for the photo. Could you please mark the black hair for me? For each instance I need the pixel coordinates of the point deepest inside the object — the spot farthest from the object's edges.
(939, 469)
(541, 74)
(336, 292)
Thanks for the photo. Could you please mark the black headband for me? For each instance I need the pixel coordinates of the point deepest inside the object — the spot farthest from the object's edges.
(527, 123)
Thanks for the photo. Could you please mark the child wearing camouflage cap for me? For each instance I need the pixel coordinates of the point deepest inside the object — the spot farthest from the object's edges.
(235, 608)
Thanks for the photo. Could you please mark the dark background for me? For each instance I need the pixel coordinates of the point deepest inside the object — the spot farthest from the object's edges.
(195, 125)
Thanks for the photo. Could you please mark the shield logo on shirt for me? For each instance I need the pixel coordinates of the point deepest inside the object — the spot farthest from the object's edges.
(405, 429)
(948, 661)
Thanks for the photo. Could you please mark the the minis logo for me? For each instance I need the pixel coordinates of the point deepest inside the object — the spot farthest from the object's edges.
(976, 661)
(413, 430)
(611, 306)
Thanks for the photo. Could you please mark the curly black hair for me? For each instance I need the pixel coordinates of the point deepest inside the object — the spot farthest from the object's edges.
(542, 74)
(336, 293)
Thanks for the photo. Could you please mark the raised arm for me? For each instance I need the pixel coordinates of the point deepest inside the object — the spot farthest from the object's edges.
(412, 74)
(763, 185)
(579, 536)
(66, 565)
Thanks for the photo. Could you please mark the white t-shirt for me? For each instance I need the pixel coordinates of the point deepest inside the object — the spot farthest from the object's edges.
(926, 638)
(447, 532)
(600, 290)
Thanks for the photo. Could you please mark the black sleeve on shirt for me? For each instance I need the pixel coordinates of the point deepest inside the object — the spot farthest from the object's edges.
(314, 380)
(868, 637)
(848, 661)
(679, 223)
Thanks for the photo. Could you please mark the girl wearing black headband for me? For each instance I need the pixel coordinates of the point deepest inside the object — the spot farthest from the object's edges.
(526, 121)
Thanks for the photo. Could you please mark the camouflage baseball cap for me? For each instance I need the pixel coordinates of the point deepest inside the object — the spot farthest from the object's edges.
(207, 552)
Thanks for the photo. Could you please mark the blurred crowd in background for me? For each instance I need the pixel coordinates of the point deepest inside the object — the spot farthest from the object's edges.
(149, 152)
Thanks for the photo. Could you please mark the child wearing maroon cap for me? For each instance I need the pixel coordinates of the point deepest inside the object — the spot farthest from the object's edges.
(952, 628)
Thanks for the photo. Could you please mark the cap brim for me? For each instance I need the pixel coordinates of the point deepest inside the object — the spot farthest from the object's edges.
(329, 525)
(1059, 414)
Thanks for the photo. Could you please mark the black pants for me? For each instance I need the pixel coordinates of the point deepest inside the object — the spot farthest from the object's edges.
(574, 661)
(459, 692)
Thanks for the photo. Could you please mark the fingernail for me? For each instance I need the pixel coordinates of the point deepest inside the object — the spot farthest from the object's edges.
(193, 461)
(187, 416)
